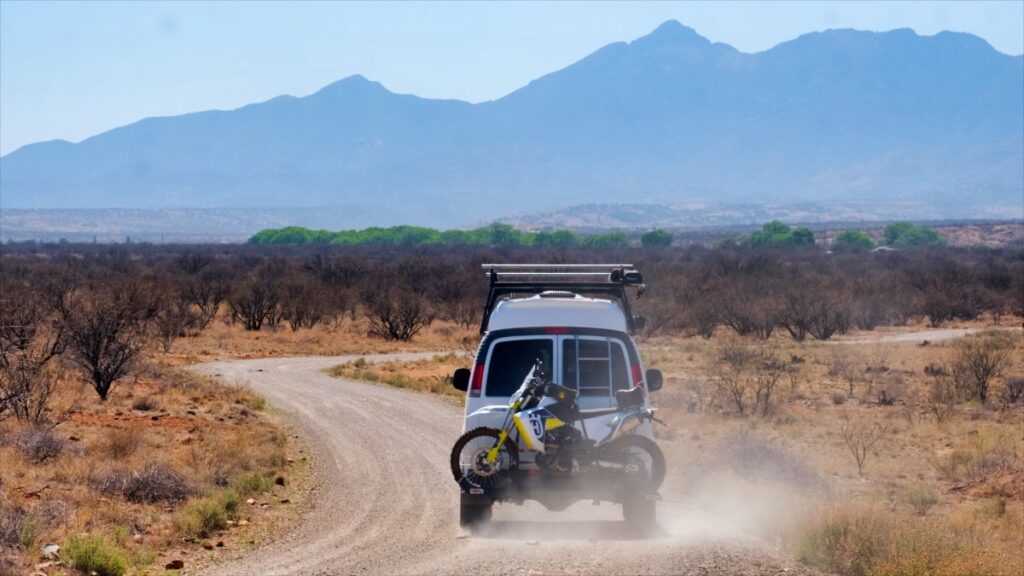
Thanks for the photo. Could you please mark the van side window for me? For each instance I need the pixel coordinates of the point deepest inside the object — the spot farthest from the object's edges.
(511, 361)
(595, 367)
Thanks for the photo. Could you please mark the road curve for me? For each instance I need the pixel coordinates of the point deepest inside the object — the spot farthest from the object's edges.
(386, 503)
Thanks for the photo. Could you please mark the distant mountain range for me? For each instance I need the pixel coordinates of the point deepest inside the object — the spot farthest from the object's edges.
(891, 118)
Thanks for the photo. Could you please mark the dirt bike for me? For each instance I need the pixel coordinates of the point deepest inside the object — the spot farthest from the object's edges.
(543, 417)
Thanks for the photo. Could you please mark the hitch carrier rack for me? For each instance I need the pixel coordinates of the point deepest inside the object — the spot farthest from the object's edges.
(609, 280)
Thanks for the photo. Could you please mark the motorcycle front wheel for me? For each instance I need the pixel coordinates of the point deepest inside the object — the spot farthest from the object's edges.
(469, 459)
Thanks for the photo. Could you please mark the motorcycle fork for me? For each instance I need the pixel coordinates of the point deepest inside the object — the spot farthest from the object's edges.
(492, 454)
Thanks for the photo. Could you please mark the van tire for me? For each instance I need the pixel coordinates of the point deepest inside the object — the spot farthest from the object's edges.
(473, 513)
(658, 468)
(640, 511)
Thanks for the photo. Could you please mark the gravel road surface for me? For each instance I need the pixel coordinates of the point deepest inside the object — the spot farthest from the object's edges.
(386, 502)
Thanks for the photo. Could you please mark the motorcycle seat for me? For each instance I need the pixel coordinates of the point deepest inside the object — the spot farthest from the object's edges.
(629, 398)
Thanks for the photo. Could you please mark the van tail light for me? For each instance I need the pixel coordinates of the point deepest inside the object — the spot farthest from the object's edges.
(478, 381)
(638, 375)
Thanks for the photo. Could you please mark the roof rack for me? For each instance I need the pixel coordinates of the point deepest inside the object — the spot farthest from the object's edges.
(609, 280)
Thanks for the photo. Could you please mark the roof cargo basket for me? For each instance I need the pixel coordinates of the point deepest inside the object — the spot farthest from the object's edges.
(608, 280)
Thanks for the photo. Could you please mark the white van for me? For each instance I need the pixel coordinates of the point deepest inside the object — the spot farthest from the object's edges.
(576, 321)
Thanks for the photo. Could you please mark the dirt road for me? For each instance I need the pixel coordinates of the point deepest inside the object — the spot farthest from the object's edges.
(386, 502)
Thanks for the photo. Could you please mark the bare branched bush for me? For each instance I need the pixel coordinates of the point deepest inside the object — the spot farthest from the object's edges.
(397, 315)
(172, 320)
(39, 444)
(942, 397)
(860, 437)
(747, 376)
(979, 458)
(30, 343)
(122, 443)
(254, 301)
(847, 367)
(106, 331)
(305, 302)
(16, 526)
(977, 361)
(156, 482)
(1012, 391)
(206, 290)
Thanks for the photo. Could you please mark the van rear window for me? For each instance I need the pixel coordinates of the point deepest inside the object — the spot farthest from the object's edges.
(511, 361)
(595, 367)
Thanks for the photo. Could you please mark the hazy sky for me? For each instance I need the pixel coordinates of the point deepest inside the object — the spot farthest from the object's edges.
(72, 70)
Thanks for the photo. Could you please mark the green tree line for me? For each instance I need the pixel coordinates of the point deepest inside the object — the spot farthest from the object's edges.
(491, 235)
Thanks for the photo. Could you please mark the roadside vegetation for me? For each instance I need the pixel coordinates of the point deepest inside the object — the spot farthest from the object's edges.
(432, 375)
(114, 453)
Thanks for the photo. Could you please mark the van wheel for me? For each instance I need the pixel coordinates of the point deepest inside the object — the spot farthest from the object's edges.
(473, 514)
(640, 512)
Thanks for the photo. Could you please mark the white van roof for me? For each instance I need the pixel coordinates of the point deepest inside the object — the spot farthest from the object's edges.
(557, 310)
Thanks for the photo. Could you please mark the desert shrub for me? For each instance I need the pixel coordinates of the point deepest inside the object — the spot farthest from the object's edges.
(1012, 391)
(921, 499)
(254, 301)
(172, 320)
(91, 554)
(942, 395)
(847, 541)
(105, 330)
(746, 377)
(157, 482)
(231, 502)
(397, 315)
(121, 443)
(252, 484)
(978, 459)
(39, 444)
(201, 518)
(978, 360)
(208, 515)
(145, 404)
(860, 437)
(858, 540)
(17, 528)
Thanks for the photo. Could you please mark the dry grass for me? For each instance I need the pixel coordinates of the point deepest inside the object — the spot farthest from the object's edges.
(935, 497)
(344, 336)
(433, 375)
(117, 480)
(859, 539)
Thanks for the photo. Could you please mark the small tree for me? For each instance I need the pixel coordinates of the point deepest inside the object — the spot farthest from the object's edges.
(860, 437)
(106, 332)
(748, 374)
(206, 290)
(852, 240)
(30, 344)
(977, 361)
(171, 320)
(254, 302)
(397, 316)
(305, 302)
(942, 396)
(656, 238)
